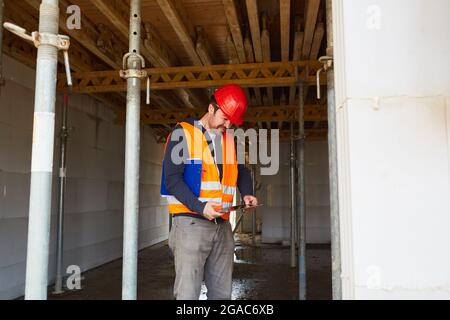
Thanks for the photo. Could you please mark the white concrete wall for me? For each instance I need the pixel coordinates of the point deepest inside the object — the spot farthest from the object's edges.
(275, 195)
(393, 97)
(94, 199)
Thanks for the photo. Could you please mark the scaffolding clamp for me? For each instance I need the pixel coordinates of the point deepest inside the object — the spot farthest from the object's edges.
(135, 73)
(327, 64)
(61, 42)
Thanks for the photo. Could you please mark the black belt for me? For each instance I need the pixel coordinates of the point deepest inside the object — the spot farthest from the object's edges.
(199, 216)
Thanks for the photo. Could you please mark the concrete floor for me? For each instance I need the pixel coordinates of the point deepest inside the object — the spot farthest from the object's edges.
(261, 272)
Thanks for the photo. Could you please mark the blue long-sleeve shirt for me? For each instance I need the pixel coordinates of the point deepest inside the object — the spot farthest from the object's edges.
(176, 185)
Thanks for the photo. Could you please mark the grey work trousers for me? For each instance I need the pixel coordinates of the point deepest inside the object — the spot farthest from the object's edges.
(202, 250)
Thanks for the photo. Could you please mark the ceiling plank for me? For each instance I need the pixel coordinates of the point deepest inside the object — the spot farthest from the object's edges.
(296, 55)
(118, 13)
(253, 18)
(171, 13)
(236, 34)
(153, 50)
(231, 50)
(202, 48)
(250, 58)
(187, 21)
(266, 52)
(285, 26)
(234, 59)
(317, 41)
(311, 13)
(235, 28)
(160, 55)
(80, 59)
(265, 47)
(87, 36)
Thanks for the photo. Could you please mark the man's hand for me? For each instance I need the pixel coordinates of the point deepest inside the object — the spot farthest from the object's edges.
(250, 201)
(209, 212)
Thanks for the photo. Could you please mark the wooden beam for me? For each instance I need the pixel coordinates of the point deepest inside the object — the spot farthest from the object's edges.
(242, 50)
(296, 55)
(80, 59)
(248, 75)
(251, 59)
(311, 12)
(317, 41)
(253, 18)
(235, 28)
(202, 48)
(160, 55)
(285, 26)
(185, 19)
(234, 59)
(118, 13)
(87, 36)
(163, 57)
(265, 46)
(177, 16)
(254, 114)
(248, 47)
(231, 50)
(171, 13)
(18, 49)
(153, 50)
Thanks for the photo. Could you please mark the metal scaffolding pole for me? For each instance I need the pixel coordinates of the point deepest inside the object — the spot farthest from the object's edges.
(2, 15)
(292, 194)
(62, 190)
(333, 173)
(134, 63)
(301, 221)
(42, 157)
(253, 173)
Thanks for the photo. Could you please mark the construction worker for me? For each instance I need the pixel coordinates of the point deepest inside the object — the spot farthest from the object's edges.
(197, 188)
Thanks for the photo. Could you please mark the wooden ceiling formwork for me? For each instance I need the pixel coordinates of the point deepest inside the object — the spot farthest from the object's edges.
(194, 33)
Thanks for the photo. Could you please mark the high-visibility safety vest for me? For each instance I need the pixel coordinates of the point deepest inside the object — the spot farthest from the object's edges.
(211, 187)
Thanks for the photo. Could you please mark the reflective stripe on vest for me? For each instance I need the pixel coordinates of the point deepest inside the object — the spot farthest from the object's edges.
(210, 185)
(173, 200)
(229, 190)
(227, 204)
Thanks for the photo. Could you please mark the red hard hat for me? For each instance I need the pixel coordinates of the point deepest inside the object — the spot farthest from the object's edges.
(232, 101)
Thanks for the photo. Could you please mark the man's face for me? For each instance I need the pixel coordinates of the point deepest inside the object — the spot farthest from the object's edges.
(218, 120)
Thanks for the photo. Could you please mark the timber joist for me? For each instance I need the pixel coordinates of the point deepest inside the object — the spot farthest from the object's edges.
(161, 135)
(254, 114)
(273, 74)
